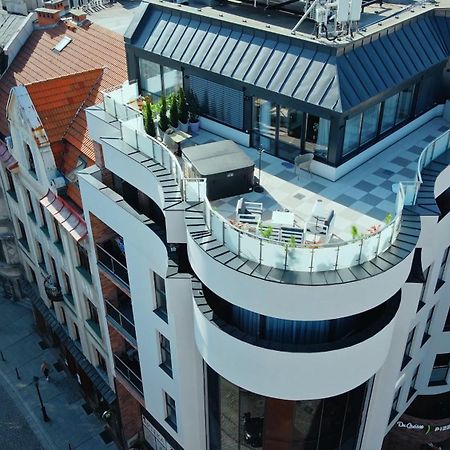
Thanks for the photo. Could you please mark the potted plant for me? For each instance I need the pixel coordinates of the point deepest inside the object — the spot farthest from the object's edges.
(183, 111)
(163, 122)
(194, 112)
(147, 114)
(173, 111)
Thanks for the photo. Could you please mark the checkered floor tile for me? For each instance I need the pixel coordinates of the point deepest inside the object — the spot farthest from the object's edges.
(362, 198)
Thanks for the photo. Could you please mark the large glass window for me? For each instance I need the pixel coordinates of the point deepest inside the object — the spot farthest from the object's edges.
(370, 123)
(317, 135)
(352, 132)
(389, 113)
(172, 80)
(404, 104)
(265, 117)
(241, 420)
(150, 77)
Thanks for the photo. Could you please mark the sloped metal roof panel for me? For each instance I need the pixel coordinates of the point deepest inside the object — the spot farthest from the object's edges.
(311, 73)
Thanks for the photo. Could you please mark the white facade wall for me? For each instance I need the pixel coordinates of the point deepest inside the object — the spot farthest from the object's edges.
(145, 255)
(380, 357)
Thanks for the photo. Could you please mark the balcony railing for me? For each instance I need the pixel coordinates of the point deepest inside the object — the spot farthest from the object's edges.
(302, 257)
(112, 265)
(132, 377)
(124, 322)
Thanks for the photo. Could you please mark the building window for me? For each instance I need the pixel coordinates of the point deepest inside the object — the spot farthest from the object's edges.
(93, 320)
(2, 253)
(30, 206)
(394, 409)
(369, 125)
(150, 78)
(447, 321)
(63, 316)
(54, 271)
(160, 296)
(77, 333)
(404, 105)
(57, 231)
(426, 333)
(30, 160)
(389, 113)
(406, 355)
(40, 256)
(352, 132)
(412, 388)
(440, 370)
(440, 281)
(278, 129)
(23, 235)
(84, 258)
(171, 413)
(166, 360)
(12, 186)
(421, 303)
(101, 361)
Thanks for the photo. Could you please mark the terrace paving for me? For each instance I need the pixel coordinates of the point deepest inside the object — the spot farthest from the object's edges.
(362, 198)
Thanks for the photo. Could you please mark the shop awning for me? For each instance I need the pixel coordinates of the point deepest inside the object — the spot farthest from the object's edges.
(65, 214)
(100, 384)
(6, 158)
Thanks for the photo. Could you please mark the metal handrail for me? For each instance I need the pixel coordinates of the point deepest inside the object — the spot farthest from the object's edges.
(122, 316)
(127, 373)
(114, 262)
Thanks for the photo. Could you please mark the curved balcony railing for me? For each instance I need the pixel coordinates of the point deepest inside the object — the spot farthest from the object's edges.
(432, 151)
(302, 257)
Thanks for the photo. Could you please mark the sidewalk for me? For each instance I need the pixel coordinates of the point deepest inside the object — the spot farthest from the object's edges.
(70, 426)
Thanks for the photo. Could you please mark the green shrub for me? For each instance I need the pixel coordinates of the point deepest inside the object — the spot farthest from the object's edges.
(183, 111)
(163, 119)
(147, 113)
(173, 110)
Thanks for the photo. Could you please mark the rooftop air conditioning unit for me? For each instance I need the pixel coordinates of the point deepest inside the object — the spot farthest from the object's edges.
(9, 142)
(58, 185)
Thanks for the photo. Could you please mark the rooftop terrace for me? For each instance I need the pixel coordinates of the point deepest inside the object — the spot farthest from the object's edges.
(363, 198)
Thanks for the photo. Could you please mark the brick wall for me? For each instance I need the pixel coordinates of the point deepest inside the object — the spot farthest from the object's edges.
(130, 412)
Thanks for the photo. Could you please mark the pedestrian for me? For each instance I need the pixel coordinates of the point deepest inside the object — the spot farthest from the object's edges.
(45, 369)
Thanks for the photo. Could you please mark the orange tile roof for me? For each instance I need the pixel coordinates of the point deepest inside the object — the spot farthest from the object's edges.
(92, 47)
(57, 101)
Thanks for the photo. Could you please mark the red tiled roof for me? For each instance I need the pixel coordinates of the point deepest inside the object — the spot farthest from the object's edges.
(58, 100)
(92, 47)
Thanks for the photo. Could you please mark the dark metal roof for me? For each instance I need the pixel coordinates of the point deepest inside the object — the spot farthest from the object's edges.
(335, 77)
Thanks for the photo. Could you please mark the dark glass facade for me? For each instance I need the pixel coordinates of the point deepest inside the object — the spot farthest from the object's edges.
(239, 419)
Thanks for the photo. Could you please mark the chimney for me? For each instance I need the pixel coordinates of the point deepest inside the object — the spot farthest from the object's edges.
(78, 16)
(47, 18)
(54, 4)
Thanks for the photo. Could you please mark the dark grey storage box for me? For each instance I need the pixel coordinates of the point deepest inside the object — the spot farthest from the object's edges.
(227, 169)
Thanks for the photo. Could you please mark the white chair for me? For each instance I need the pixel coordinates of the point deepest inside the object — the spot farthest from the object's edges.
(319, 226)
(248, 212)
(303, 162)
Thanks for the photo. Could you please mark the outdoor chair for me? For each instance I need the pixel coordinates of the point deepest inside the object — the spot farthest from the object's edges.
(248, 212)
(303, 162)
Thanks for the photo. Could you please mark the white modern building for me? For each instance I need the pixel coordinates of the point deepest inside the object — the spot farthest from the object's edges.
(313, 314)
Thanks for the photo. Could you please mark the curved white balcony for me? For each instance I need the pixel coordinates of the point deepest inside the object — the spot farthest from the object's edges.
(296, 375)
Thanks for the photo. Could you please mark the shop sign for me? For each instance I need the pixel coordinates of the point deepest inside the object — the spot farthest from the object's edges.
(154, 437)
(421, 427)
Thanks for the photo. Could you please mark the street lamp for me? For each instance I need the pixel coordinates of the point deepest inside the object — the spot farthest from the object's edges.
(258, 188)
(44, 412)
